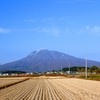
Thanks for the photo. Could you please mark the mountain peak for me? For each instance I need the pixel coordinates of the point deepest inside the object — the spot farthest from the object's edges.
(34, 53)
(44, 60)
(42, 50)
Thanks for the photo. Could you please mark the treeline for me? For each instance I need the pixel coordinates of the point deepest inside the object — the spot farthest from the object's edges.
(93, 69)
(13, 72)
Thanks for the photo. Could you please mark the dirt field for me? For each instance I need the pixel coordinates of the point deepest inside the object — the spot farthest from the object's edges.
(54, 88)
(6, 81)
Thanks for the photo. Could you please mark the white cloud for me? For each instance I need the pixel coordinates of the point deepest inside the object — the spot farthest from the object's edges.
(48, 20)
(50, 26)
(93, 29)
(61, 26)
(2, 30)
(47, 30)
(29, 20)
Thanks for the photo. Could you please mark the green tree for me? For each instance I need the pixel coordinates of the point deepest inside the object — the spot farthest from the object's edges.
(94, 69)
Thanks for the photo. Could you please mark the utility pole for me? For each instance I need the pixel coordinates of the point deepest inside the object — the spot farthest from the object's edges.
(69, 67)
(86, 68)
(61, 69)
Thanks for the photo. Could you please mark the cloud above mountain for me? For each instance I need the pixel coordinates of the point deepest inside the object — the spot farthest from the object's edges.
(4, 30)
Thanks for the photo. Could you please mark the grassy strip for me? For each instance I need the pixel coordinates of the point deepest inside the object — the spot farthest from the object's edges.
(8, 85)
(92, 77)
(89, 77)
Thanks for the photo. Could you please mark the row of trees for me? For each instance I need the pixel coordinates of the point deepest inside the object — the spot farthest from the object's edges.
(79, 69)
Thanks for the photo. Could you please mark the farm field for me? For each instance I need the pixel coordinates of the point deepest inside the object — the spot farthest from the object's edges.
(54, 88)
(8, 81)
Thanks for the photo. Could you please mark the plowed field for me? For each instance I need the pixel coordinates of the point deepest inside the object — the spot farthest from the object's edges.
(52, 89)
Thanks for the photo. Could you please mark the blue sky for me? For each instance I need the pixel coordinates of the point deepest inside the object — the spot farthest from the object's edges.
(69, 26)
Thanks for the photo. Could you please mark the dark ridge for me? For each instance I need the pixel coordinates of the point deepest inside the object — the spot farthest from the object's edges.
(13, 72)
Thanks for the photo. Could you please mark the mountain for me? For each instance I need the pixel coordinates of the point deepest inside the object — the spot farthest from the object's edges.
(44, 60)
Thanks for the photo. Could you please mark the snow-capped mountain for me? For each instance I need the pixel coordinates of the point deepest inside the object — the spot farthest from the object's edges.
(44, 60)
